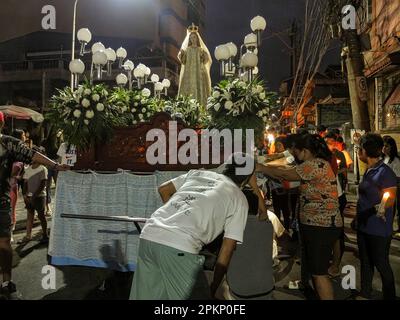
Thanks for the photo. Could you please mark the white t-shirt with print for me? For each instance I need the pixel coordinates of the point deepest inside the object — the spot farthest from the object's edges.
(205, 205)
(69, 157)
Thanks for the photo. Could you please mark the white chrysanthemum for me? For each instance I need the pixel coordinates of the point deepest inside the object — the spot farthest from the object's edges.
(217, 107)
(235, 113)
(77, 113)
(146, 92)
(133, 110)
(87, 92)
(148, 114)
(89, 114)
(100, 107)
(124, 109)
(136, 104)
(134, 122)
(260, 89)
(144, 110)
(140, 116)
(86, 121)
(143, 101)
(73, 122)
(96, 97)
(265, 119)
(141, 120)
(77, 99)
(85, 103)
(216, 94)
(262, 95)
(80, 90)
(228, 105)
(265, 111)
(260, 113)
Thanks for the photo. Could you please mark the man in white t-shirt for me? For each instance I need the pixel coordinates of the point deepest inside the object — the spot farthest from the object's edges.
(199, 206)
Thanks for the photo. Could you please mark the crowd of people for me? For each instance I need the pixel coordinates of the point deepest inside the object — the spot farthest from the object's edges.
(302, 176)
(321, 163)
(20, 163)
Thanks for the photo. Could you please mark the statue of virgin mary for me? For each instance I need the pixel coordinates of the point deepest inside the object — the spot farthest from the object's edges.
(196, 63)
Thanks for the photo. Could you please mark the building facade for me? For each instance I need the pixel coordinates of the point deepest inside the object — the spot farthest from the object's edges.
(34, 62)
(380, 19)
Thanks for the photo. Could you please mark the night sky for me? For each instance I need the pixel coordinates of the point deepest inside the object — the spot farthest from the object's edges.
(229, 20)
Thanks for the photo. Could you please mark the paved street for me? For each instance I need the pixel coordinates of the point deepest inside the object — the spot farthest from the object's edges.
(84, 283)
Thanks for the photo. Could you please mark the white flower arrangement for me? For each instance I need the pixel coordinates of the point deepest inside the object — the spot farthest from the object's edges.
(72, 112)
(238, 104)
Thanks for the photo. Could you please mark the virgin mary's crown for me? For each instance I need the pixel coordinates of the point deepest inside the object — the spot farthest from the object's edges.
(193, 28)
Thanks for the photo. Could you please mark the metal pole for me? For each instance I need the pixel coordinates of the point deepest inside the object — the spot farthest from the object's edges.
(73, 41)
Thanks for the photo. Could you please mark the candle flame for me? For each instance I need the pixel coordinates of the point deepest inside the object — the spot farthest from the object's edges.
(386, 195)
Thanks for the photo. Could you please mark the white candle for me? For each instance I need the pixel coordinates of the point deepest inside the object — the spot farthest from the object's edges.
(382, 206)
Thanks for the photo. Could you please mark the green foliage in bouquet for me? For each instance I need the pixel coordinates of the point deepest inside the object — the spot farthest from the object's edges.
(235, 104)
(84, 116)
(188, 109)
(135, 106)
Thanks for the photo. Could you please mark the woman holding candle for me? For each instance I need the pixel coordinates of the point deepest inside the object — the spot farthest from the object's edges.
(374, 220)
(392, 159)
(320, 220)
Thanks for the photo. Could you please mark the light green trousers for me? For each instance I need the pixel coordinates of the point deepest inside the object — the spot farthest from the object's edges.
(165, 273)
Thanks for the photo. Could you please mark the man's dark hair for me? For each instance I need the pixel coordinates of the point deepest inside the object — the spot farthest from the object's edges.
(230, 168)
(18, 133)
(373, 144)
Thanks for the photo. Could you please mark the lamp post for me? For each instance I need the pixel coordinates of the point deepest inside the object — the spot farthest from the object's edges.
(248, 61)
(73, 41)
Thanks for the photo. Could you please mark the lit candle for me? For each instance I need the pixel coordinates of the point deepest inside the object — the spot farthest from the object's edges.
(338, 162)
(382, 206)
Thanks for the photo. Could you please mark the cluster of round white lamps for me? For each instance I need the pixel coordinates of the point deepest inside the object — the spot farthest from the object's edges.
(249, 60)
(102, 57)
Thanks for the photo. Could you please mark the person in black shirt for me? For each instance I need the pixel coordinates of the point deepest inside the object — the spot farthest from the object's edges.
(12, 150)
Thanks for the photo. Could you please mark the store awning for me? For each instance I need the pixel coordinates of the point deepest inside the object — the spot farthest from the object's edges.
(21, 113)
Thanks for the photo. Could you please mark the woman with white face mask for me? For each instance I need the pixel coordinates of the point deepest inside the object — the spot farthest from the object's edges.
(320, 220)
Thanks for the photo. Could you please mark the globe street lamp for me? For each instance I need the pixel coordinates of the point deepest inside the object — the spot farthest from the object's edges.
(258, 25)
(121, 80)
(121, 55)
(76, 67)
